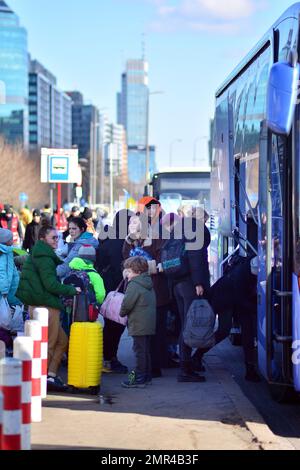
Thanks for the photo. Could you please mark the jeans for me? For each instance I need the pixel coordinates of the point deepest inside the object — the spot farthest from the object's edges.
(141, 348)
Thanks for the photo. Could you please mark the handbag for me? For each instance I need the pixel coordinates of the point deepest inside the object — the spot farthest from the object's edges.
(111, 306)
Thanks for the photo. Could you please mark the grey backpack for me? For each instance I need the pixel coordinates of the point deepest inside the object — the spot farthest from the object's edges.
(199, 327)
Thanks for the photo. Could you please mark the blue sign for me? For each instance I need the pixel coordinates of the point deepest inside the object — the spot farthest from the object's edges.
(58, 169)
(23, 197)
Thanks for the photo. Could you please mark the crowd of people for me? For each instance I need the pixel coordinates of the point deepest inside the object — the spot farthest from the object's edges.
(131, 255)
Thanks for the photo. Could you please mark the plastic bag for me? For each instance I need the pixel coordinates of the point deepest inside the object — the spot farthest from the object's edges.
(17, 322)
(5, 314)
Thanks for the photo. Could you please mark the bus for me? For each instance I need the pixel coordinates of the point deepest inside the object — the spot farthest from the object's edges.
(255, 192)
(179, 187)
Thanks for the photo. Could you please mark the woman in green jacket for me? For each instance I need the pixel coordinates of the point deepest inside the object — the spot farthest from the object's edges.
(39, 287)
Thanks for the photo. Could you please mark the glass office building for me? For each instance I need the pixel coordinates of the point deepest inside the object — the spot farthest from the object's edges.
(50, 110)
(132, 113)
(13, 77)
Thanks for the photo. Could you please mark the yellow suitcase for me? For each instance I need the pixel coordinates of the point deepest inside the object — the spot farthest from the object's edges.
(85, 355)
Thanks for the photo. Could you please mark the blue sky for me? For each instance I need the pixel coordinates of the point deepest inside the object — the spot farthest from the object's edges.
(191, 46)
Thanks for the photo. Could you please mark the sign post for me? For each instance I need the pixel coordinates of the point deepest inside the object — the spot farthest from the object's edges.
(59, 166)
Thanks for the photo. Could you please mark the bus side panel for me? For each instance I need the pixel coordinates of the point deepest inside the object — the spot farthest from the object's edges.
(296, 333)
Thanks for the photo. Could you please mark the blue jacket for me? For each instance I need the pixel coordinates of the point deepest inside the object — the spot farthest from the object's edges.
(85, 239)
(9, 276)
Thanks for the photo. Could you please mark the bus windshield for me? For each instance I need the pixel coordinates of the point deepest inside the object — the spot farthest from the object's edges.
(177, 189)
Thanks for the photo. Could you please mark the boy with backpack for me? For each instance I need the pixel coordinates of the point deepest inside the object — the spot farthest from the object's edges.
(84, 262)
(139, 305)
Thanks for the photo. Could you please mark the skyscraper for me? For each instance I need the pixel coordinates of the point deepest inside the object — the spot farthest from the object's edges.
(50, 110)
(132, 112)
(13, 77)
(86, 135)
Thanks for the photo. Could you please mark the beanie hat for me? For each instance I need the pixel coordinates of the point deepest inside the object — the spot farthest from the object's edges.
(6, 236)
(87, 252)
(36, 213)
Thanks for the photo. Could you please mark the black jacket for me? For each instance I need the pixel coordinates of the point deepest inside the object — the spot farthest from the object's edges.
(31, 235)
(109, 263)
(198, 263)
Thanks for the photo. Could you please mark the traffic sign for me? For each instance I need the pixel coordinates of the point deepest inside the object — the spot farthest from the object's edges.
(59, 165)
(23, 197)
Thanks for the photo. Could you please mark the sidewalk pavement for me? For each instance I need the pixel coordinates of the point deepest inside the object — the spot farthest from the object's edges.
(214, 415)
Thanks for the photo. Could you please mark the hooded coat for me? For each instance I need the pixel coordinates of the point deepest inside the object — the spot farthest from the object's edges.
(39, 285)
(9, 276)
(139, 305)
(80, 264)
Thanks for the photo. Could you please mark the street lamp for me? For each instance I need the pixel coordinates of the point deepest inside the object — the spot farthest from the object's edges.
(204, 137)
(147, 131)
(171, 151)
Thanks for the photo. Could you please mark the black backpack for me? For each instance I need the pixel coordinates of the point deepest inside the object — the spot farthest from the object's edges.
(199, 326)
(174, 259)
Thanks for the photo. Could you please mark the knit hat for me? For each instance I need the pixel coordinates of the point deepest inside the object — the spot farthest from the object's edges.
(36, 213)
(87, 252)
(6, 236)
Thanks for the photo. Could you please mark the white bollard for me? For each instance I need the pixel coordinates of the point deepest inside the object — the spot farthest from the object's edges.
(33, 329)
(23, 350)
(42, 315)
(11, 385)
(2, 349)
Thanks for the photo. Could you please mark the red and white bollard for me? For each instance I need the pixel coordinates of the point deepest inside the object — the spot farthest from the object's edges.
(42, 315)
(23, 350)
(11, 385)
(33, 329)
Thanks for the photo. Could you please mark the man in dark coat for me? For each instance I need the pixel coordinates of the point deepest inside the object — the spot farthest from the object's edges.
(193, 284)
(32, 231)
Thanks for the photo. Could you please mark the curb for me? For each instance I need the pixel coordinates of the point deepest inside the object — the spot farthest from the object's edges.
(253, 420)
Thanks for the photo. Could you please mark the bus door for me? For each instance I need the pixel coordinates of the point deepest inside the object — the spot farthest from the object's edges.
(275, 243)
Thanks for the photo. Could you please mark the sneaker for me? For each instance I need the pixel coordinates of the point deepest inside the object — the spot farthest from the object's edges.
(117, 367)
(190, 377)
(56, 384)
(134, 381)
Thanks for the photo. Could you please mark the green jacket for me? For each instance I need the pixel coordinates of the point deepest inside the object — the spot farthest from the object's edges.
(39, 285)
(140, 305)
(80, 264)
